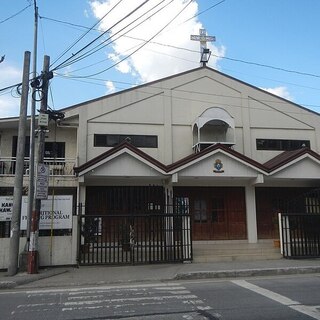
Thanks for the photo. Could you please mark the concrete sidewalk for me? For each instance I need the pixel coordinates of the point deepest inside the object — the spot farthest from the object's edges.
(101, 275)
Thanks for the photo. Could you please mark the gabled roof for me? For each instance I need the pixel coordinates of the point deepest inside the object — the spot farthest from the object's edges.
(153, 83)
(168, 169)
(286, 157)
(189, 159)
(281, 160)
(122, 146)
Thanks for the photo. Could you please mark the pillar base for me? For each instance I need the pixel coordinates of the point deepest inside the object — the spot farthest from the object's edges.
(23, 261)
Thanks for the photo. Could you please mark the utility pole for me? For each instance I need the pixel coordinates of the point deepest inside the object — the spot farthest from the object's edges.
(33, 253)
(32, 128)
(18, 179)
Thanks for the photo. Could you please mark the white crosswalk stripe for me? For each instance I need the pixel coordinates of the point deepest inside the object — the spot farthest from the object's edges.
(312, 311)
(118, 301)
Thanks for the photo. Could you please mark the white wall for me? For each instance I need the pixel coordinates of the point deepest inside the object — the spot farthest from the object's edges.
(169, 107)
(64, 249)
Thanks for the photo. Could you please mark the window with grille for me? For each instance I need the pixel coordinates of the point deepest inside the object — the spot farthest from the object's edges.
(112, 140)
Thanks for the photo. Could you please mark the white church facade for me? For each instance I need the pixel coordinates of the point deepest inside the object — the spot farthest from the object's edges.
(232, 154)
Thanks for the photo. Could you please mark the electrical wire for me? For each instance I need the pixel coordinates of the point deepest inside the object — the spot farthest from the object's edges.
(102, 46)
(69, 23)
(225, 57)
(82, 36)
(268, 66)
(97, 38)
(51, 97)
(140, 47)
(96, 29)
(281, 101)
(105, 43)
(221, 57)
(14, 15)
(204, 11)
(11, 87)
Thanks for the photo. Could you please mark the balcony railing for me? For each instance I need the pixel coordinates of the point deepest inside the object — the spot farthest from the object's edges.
(57, 166)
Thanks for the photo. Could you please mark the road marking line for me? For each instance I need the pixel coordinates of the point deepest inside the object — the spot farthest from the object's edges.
(98, 288)
(85, 297)
(265, 292)
(169, 288)
(156, 298)
(311, 311)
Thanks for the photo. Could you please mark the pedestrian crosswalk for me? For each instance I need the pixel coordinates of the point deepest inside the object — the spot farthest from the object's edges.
(311, 311)
(153, 301)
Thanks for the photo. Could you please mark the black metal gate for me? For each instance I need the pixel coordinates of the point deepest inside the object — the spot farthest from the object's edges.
(134, 239)
(300, 235)
(300, 226)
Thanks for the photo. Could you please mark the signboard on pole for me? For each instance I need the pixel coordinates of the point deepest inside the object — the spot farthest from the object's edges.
(43, 119)
(42, 183)
(55, 213)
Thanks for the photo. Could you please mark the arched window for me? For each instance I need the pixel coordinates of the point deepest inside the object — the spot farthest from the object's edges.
(215, 125)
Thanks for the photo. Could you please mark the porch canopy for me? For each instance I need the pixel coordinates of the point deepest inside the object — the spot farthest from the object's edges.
(212, 165)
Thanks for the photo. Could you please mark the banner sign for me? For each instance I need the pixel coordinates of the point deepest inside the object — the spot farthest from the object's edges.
(6, 204)
(55, 213)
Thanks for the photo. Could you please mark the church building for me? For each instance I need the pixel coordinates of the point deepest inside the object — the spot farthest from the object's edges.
(230, 154)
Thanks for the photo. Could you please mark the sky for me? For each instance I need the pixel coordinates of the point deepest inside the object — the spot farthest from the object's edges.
(98, 47)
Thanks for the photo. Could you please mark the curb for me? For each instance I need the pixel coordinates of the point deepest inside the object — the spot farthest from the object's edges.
(19, 279)
(245, 273)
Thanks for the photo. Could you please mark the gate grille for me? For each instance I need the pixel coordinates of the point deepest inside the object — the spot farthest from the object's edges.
(138, 239)
(300, 235)
(300, 225)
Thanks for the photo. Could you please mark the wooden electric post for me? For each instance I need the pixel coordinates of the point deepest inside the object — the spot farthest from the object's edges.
(19, 168)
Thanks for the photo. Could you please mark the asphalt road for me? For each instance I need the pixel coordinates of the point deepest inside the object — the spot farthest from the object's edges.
(294, 297)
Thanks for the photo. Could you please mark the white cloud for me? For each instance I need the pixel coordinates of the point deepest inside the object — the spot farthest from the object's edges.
(9, 101)
(110, 87)
(154, 61)
(9, 106)
(279, 91)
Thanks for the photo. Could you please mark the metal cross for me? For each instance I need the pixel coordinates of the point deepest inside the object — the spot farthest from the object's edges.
(203, 38)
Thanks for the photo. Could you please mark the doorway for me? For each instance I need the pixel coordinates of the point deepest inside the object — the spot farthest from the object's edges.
(216, 213)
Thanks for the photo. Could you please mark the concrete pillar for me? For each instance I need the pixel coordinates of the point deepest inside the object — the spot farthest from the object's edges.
(168, 134)
(81, 196)
(251, 214)
(246, 127)
(76, 239)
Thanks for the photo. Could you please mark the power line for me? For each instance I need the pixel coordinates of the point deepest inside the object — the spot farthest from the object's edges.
(14, 15)
(94, 40)
(186, 91)
(89, 29)
(203, 11)
(268, 66)
(68, 23)
(140, 47)
(105, 43)
(11, 87)
(221, 57)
